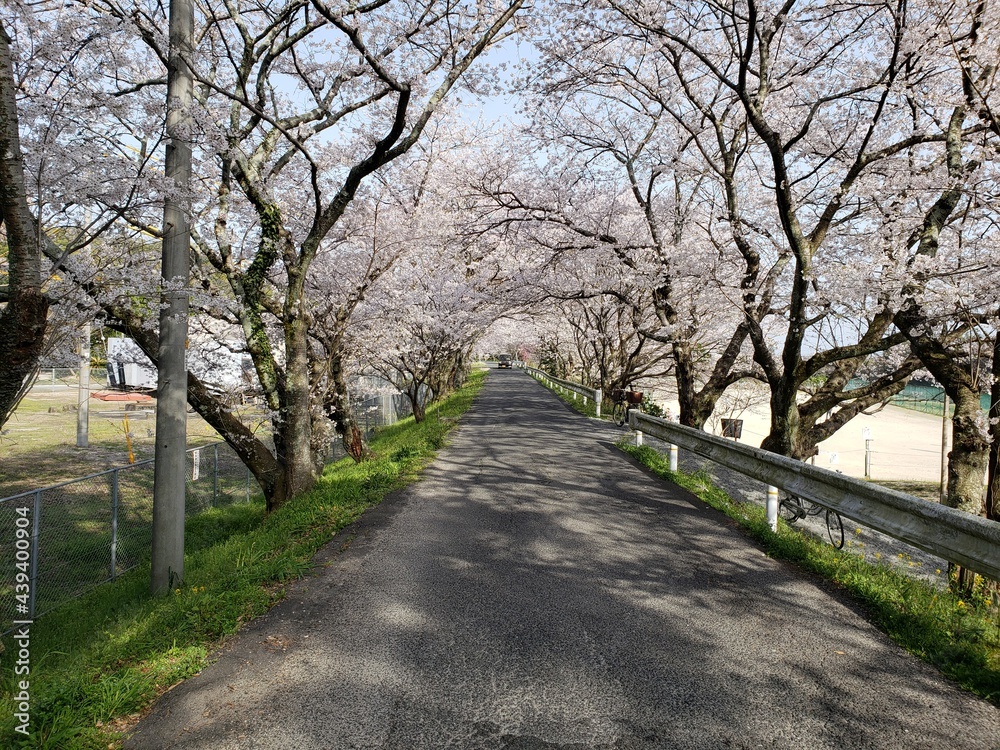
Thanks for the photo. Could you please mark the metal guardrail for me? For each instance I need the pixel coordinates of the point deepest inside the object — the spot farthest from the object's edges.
(594, 394)
(956, 536)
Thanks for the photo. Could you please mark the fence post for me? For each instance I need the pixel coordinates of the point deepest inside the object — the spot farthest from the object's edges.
(114, 524)
(598, 396)
(215, 476)
(638, 438)
(868, 459)
(772, 507)
(673, 457)
(36, 520)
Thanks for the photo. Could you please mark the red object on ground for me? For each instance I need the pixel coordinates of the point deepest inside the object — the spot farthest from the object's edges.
(118, 396)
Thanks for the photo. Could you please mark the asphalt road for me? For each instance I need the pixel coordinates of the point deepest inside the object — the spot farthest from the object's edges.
(537, 590)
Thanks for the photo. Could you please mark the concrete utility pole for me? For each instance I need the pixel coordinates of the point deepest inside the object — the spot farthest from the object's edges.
(83, 392)
(171, 400)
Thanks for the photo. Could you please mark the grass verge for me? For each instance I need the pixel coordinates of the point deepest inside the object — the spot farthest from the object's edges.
(959, 637)
(99, 661)
(589, 409)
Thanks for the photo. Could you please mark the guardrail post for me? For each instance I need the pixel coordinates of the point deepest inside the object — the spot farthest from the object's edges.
(598, 397)
(638, 438)
(114, 524)
(772, 507)
(36, 520)
(673, 457)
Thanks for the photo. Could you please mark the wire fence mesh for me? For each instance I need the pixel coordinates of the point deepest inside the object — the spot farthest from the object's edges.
(929, 400)
(70, 376)
(85, 532)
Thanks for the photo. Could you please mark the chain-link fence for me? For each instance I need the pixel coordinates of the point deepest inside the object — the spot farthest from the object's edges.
(373, 412)
(70, 376)
(930, 400)
(60, 541)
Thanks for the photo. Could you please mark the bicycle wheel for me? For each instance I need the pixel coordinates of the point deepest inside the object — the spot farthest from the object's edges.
(812, 509)
(790, 509)
(835, 528)
(620, 413)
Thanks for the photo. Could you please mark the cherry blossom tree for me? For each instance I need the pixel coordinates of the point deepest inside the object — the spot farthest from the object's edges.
(428, 311)
(24, 315)
(832, 118)
(67, 175)
(298, 105)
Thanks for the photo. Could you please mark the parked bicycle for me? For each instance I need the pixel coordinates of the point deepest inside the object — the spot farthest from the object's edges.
(623, 402)
(792, 508)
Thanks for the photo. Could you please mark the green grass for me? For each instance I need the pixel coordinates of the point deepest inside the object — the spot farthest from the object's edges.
(100, 660)
(75, 530)
(960, 637)
(589, 410)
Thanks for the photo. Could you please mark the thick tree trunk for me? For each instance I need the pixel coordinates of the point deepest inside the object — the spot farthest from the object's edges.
(967, 463)
(783, 437)
(969, 455)
(22, 336)
(696, 406)
(684, 376)
(296, 418)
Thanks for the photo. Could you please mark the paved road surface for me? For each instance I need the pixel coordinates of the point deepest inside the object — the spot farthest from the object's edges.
(537, 590)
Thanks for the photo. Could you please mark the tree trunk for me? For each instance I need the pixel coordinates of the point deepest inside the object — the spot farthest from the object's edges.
(696, 406)
(338, 409)
(413, 394)
(969, 455)
(22, 336)
(993, 485)
(967, 463)
(684, 377)
(783, 437)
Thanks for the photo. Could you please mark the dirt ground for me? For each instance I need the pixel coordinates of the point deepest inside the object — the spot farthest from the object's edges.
(905, 444)
(38, 443)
